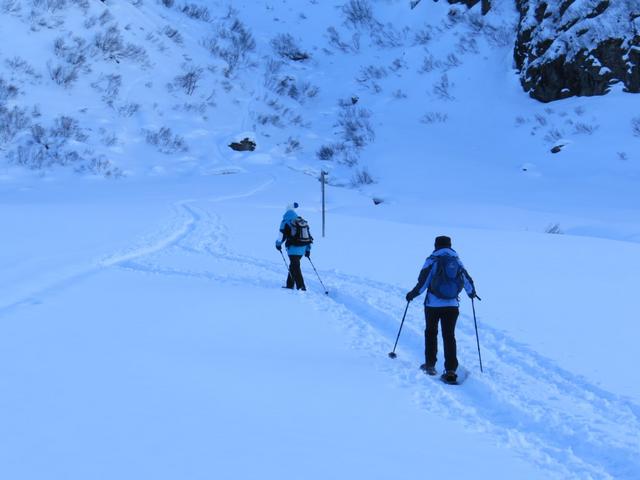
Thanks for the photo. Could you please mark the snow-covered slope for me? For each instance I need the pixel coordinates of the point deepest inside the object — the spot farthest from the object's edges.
(155, 341)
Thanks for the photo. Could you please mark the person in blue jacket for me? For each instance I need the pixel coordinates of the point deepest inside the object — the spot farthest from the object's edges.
(442, 304)
(295, 249)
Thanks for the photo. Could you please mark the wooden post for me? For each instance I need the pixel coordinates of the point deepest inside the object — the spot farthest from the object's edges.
(323, 181)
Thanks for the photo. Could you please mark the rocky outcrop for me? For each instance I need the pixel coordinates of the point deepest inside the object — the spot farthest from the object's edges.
(486, 4)
(570, 48)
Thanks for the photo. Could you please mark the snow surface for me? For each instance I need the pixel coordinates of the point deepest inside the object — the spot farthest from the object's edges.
(143, 330)
(154, 341)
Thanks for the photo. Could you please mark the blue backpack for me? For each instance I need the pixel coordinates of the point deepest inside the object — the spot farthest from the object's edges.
(446, 281)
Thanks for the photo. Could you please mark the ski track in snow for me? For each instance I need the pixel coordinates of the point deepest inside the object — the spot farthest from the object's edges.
(558, 421)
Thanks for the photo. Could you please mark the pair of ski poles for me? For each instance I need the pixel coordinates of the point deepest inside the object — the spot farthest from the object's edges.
(393, 354)
(326, 292)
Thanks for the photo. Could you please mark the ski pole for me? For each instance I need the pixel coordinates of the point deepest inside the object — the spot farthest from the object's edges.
(393, 353)
(285, 264)
(477, 337)
(326, 292)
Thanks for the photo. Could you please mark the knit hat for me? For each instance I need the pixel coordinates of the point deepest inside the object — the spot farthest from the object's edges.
(442, 242)
(292, 206)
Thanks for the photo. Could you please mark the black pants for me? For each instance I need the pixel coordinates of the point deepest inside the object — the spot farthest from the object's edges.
(295, 273)
(448, 317)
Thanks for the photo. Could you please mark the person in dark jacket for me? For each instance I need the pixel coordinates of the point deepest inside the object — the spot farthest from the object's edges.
(294, 251)
(442, 309)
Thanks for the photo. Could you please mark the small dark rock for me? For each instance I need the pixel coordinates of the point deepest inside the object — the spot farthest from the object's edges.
(377, 200)
(245, 145)
(557, 149)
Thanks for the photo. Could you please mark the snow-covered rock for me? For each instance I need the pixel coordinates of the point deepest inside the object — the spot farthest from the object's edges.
(578, 47)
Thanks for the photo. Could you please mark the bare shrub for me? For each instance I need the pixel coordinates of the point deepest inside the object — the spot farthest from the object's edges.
(336, 41)
(362, 177)
(541, 119)
(355, 126)
(293, 145)
(233, 44)
(10, 7)
(285, 46)
(554, 228)
(635, 126)
(581, 128)
(553, 135)
(196, 12)
(19, 66)
(386, 36)
(173, 34)
(452, 61)
(434, 117)
(166, 141)
(49, 147)
(188, 81)
(370, 75)
(442, 88)
(12, 122)
(111, 44)
(423, 36)
(129, 109)
(100, 166)
(109, 85)
(326, 153)
(428, 64)
(501, 36)
(63, 75)
(7, 91)
(358, 13)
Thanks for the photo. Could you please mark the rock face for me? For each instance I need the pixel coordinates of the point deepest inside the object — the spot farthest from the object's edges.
(570, 48)
(486, 4)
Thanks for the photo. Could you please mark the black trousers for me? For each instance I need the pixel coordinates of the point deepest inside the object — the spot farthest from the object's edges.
(295, 273)
(447, 316)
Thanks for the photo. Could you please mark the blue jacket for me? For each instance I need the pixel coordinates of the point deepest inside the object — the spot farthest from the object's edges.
(285, 229)
(424, 280)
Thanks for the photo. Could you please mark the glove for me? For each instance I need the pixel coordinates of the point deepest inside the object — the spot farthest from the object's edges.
(411, 295)
(307, 254)
(279, 246)
(473, 294)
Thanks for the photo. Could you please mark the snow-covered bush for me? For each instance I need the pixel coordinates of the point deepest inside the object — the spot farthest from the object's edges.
(10, 6)
(336, 41)
(635, 126)
(233, 43)
(188, 81)
(442, 88)
(166, 141)
(370, 75)
(111, 44)
(354, 126)
(55, 146)
(434, 117)
(173, 34)
(358, 13)
(285, 46)
(12, 121)
(326, 152)
(109, 86)
(554, 229)
(361, 177)
(196, 12)
(7, 91)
